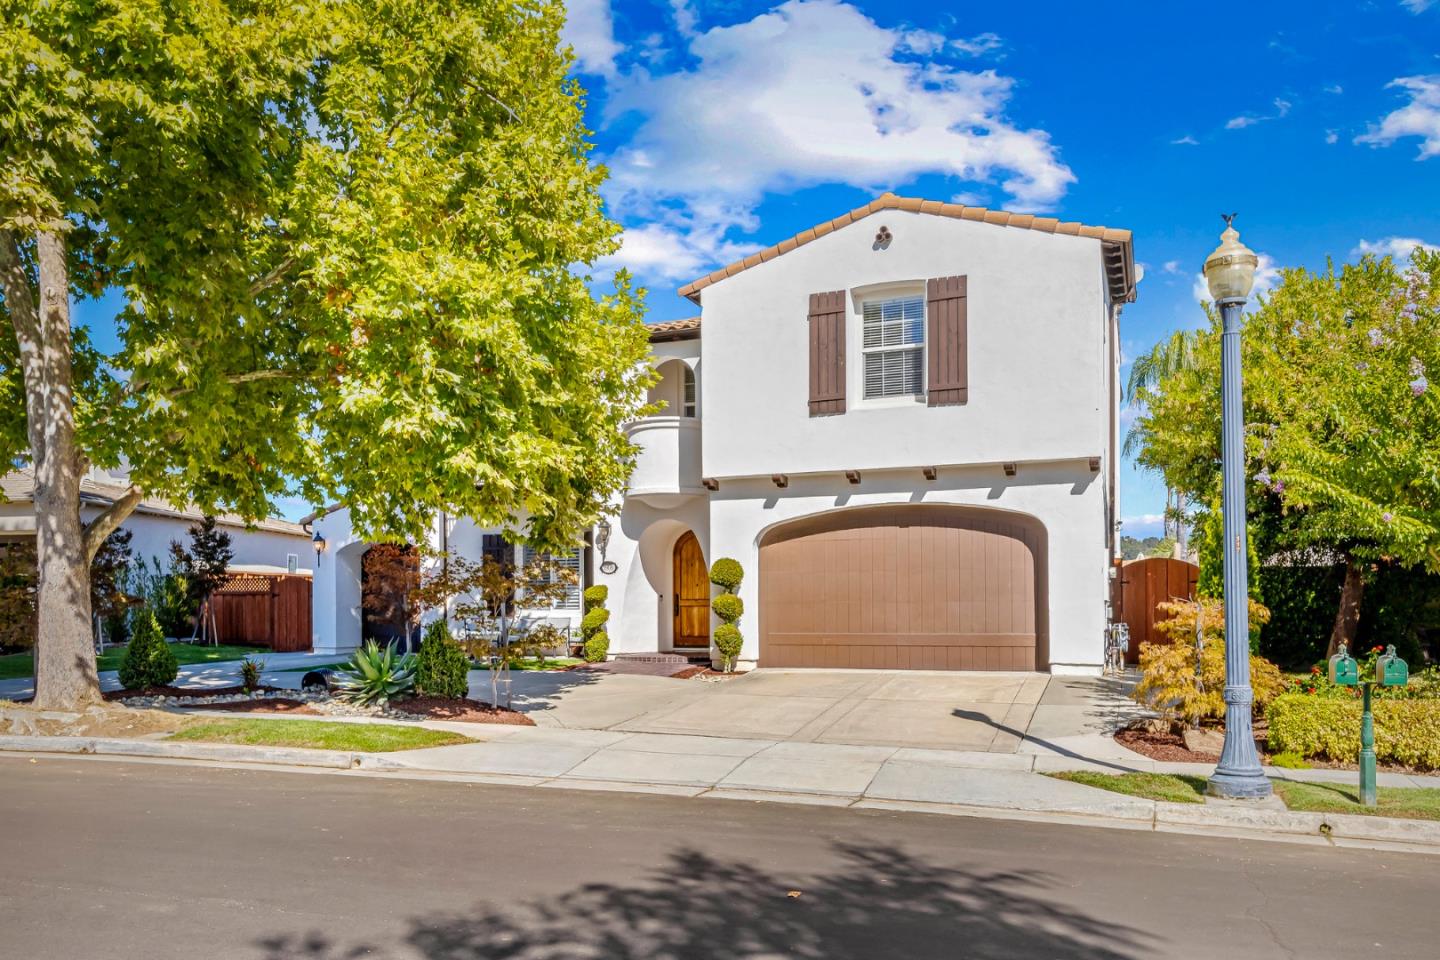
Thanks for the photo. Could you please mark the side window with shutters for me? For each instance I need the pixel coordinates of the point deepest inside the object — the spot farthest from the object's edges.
(947, 322)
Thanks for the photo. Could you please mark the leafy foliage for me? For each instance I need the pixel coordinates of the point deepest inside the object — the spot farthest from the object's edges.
(597, 647)
(1406, 731)
(728, 607)
(441, 667)
(390, 577)
(595, 596)
(149, 661)
(17, 595)
(376, 675)
(729, 641)
(250, 670)
(207, 559)
(1174, 686)
(108, 597)
(592, 626)
(727, 574)
(165, 592)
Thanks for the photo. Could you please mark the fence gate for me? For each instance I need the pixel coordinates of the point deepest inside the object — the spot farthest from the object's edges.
(264, 611)
(1146, 583)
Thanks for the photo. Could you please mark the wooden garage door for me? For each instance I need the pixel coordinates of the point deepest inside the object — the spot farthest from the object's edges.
(912, 587)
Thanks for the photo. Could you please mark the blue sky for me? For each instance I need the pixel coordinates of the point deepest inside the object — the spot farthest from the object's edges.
(731, 125)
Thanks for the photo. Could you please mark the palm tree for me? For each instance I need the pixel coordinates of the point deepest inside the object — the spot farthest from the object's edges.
(1168, 357)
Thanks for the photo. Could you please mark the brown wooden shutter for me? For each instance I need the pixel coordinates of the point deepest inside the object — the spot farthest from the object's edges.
(947, 342)
(827, 353)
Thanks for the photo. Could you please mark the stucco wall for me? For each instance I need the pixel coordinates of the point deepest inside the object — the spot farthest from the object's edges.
(1065, 497)
(1037, 352)
(642, 542)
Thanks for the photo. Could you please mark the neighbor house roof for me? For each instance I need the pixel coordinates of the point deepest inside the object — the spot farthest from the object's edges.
(1118, 252)
(674, 329)
(19, 485)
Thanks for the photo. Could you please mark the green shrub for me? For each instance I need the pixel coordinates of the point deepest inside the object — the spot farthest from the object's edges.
(376, 675)
(727, 574)
(1406, 731)
(593, 622)
(250, 670)
(597, 647)
(1290, 760)
(728, 640)
(441, 667)
(149, 661)
(595, 596)
(728, 607)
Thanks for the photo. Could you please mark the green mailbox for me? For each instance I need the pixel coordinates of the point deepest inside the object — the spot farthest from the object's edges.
(1390, 670)
(1344, 671)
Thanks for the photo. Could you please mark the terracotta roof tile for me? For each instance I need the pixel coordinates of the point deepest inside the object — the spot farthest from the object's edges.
(1120, 268)
(674, 329)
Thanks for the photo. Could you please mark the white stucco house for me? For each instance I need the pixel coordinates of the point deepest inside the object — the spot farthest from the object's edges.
(903, 423)
(270, 546)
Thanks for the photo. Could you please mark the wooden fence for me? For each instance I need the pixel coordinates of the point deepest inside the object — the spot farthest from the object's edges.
(264, 611)
(1143, 585)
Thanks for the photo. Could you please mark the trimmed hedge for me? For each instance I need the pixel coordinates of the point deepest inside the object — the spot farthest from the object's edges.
(727, 574)
(728, 640)
(1406, 731)
(594, 621)
(595, 596)
(728, 607)
(149, 661)
(597, 647)
(441, 667)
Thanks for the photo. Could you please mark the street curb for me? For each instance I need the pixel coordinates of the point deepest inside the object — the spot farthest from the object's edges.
(1327, 829)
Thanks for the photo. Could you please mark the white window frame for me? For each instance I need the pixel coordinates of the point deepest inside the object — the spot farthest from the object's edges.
(873, 293)
(689, 391)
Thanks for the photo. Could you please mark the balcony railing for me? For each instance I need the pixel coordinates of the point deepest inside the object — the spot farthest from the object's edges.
(667, 467)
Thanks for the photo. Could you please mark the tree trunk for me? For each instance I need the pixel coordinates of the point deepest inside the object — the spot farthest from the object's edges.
(65, 675)
(1347, 618)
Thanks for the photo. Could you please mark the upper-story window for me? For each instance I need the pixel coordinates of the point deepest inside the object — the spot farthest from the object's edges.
(687, 405)
(893, 345)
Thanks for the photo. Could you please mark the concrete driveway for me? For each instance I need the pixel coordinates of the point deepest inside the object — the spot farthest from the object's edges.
(992, 712)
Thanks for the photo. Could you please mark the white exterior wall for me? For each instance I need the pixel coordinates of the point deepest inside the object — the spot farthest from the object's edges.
(1036, 331)
(642, 543)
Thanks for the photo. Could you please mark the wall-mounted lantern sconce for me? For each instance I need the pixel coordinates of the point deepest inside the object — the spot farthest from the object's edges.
(602, 536)
(1009, 469)
(852, 475)
(929, 472)
(1094, 464)
(710, 483)
(318, 542)
(781, 480)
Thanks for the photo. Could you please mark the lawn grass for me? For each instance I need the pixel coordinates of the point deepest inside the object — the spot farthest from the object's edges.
(1411, 803)
(16, 665)
(1150, 786)
(319, 735)
(551, 663)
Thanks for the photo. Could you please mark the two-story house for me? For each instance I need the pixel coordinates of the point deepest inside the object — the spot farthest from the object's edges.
(903, 424)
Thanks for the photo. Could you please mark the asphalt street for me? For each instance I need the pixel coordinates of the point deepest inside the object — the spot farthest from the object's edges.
(126, 860)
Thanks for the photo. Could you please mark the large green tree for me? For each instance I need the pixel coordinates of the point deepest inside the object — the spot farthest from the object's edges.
(351, 235)
(1342, 421)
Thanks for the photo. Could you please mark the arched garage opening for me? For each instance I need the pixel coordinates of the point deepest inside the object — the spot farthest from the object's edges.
(905, 587)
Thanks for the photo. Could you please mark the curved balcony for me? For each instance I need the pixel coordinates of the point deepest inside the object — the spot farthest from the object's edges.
(667, 468)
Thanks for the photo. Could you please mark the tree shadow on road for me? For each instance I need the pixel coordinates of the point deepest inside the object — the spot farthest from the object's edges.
(880, 903)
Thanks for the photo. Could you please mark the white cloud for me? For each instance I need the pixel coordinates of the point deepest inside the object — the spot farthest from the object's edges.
(1332, 136)
(1267, 277)
(1417, 6)
(1419, 118)
(590, 30)
(685, 17)
(1143, 525)
(1187, 141)
(1398, 248)
(1282, 107)
(669, 253)
(1335, 88)
(978, 45)
(814, 92)
(1172, 266)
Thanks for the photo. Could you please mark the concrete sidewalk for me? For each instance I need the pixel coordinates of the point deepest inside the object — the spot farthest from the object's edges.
(280, 671)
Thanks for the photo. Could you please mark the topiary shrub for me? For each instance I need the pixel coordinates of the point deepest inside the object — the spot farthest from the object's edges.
(1406, 731)
(441, 667)
(728, 607)
(727, 574)
(594, 621)
(597, 647)
(149, 661)
(595, 596)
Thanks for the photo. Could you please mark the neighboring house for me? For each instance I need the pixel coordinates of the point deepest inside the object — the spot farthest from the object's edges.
(269, 546)
(902, 423)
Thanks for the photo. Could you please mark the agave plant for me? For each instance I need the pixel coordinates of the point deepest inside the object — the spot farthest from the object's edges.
(375, 675)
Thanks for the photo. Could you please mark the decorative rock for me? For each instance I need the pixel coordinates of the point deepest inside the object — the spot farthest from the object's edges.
(1204, 740)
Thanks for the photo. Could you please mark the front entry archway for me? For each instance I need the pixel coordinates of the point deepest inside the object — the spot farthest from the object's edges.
(691, 592)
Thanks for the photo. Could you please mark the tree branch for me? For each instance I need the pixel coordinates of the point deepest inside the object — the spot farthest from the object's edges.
(109, 521)
(24, 312)
(271, 278)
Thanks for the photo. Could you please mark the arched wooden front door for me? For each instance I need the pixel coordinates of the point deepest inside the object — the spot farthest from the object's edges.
(691, 594)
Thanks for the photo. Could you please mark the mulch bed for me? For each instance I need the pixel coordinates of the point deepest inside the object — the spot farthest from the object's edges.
(1170, 748)
(690, 673)
(431, 708)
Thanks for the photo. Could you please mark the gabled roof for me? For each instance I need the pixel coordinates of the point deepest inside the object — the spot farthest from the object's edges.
(674, 329)
(1118, 252)
(19, 486)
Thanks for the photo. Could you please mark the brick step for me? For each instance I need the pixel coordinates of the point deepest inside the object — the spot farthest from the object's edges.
(697, 657)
